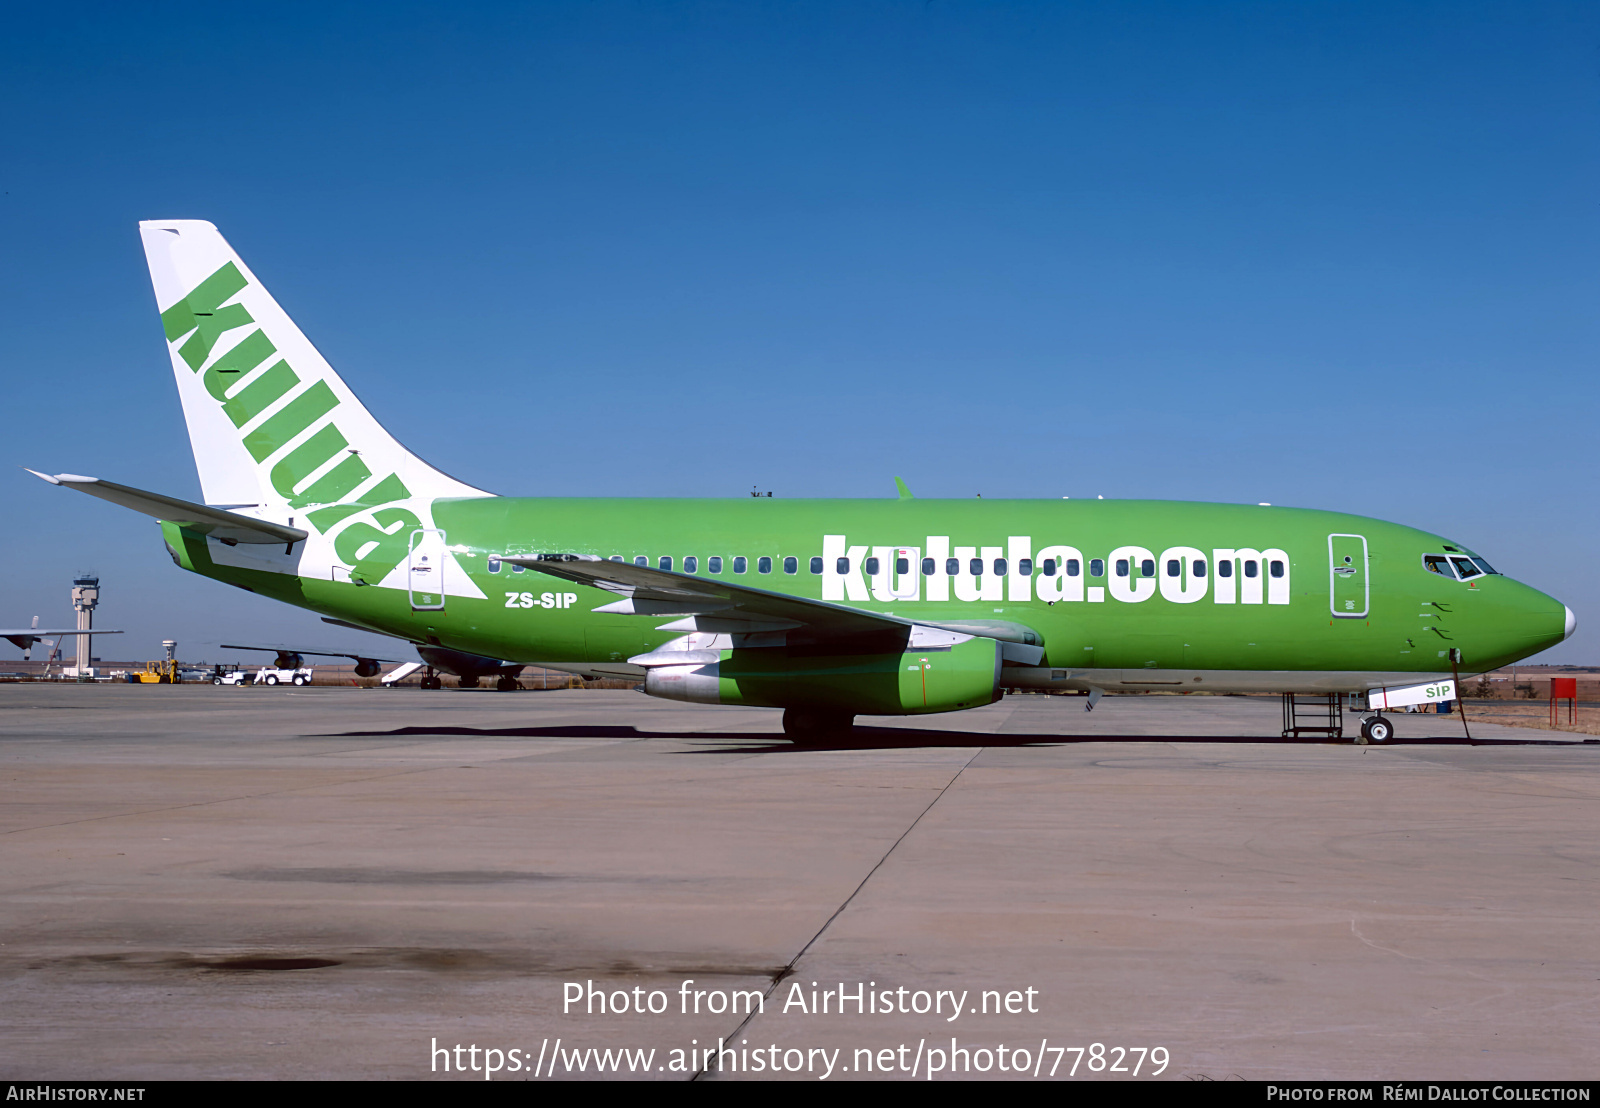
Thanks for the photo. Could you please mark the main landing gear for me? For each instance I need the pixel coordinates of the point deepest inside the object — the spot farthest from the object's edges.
(1377, 730)
(801, 724)
(507, 683)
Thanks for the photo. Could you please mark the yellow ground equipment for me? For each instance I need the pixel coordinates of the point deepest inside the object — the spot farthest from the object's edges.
(156, 673)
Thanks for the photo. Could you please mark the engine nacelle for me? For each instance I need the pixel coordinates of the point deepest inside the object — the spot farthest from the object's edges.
(366, 667)
(943, 679)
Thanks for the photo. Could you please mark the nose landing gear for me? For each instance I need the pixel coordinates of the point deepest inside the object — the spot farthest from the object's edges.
(1376, 730)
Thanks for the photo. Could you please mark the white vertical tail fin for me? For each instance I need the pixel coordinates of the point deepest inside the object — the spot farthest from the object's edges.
(271, 423)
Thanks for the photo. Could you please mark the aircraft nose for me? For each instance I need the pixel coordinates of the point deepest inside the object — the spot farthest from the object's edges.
(1572, 624)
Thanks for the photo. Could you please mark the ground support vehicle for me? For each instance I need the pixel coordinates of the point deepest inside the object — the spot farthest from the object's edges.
(272, 675)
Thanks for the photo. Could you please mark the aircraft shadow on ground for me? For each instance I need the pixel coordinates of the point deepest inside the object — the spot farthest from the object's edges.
(873, 738)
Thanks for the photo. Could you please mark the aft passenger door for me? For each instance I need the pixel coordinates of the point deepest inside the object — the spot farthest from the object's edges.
(426, 576)
(1349, 592)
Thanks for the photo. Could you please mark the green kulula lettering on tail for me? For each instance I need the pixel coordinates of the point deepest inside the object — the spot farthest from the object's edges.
(305, 459)
(372, 553)
(260, 394)
(229, 369)
(389, 489)
(290, 420)
(206, 297)
(202, 312)
(334, 485)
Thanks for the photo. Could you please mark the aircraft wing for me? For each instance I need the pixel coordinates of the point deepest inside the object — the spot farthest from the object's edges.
(35, 632)
(285, 650)
(713, 605)
(720, 607)
(217, 522)
(23, 638)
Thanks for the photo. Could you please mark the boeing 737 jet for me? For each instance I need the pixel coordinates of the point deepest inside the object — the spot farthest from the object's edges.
(824, 608)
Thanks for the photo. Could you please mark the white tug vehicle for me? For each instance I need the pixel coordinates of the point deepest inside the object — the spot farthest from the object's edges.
(277, 675)
(288, 668)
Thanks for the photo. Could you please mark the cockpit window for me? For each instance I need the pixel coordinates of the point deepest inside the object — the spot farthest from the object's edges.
(1485, 566)
(1438, 563)
(1465, 568)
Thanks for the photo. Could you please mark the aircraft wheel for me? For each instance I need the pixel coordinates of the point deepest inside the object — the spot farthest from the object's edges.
(272, 679)
(432, 683)
(1378, 730)
(807, 723)
(468, 682)
(507, 684)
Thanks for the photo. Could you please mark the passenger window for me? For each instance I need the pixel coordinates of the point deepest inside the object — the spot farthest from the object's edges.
(1048, 567)
(1225, 569)
(763, 565)
(791, 565)
(975, 567)
(1147, 568)
(872, 567)
(1025, 567)
(1199, 567)
(665, 561)
(1437, 563)
(641, 560)
(1174, 567)
(1276, 567)
(1249, 567)
(691, 564)
(1097, 567)
(1122, 567)
(740, 564)
(952, 566)
(714, 563)
(1072, 567)
(494, 563)
(1465, 568)
(902, 566)
(816, 565)
(927, 567)
(999, 567)
(616, 557)
(518, 569)
(842, 566)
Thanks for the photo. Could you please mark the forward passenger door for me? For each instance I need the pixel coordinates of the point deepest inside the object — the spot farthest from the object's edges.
(1349, 591)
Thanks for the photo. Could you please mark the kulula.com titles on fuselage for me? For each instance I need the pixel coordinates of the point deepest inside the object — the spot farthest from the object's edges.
(892, 606)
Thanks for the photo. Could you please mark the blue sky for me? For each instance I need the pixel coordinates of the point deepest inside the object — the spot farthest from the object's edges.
(1329, 255)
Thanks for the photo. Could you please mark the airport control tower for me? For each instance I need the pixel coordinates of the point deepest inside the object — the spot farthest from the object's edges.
(85, 595)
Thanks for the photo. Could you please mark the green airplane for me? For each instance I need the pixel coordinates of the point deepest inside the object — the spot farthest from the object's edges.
(824, 608)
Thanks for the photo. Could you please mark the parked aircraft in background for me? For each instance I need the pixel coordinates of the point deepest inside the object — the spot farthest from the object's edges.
(23, 638)
(469, 669)
(825, 608)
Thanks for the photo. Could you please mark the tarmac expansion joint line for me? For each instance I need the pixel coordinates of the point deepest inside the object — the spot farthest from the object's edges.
(789, 968)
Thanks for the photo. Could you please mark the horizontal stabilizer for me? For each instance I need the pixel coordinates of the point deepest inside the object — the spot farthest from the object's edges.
(219, 523)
